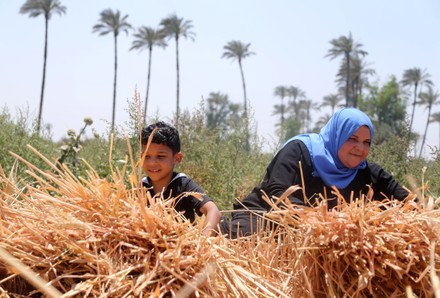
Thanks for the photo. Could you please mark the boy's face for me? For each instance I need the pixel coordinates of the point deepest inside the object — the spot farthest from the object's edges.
(159, 163)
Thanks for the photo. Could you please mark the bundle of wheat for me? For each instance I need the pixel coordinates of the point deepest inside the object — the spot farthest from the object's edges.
(364, 248)
(92, 237)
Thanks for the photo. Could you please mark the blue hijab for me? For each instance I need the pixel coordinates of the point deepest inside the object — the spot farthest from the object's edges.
(324, 147)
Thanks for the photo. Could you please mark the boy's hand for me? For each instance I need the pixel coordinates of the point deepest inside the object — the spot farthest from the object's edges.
(213, 216)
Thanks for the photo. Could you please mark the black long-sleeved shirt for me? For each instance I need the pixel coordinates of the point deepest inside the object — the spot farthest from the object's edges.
(284, 171)
(180, 184)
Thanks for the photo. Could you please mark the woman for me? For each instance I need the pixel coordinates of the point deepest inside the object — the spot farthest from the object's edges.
(336, 157)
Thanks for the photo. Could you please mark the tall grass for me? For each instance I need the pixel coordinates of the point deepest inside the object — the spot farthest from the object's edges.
(216, 159)
(15, 134)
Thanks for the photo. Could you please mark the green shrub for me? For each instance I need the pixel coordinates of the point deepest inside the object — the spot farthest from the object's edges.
(16, 135)
(393, 156)
(218, 160)
(427, 172)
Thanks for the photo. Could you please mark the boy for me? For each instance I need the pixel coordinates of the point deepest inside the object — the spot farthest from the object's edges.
(162, 155)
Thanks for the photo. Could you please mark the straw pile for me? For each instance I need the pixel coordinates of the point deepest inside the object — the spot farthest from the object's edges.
(92, 237)
(96, 238)
(360, 249)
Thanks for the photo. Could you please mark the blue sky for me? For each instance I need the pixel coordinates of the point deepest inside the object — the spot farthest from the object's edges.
(290, 39)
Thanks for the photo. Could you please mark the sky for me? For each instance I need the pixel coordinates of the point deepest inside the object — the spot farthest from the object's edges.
(290, 39)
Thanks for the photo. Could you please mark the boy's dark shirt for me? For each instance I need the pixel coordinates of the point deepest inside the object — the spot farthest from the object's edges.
(284, 171)
(180, 183)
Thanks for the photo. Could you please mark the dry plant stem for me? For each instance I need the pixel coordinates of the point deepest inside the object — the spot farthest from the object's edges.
(135, 176)
(92, 237)
(434, 277)
(140, 127)
(29, 275)
(110, 155)
(302, 180)
(416, 190)
(192, 285)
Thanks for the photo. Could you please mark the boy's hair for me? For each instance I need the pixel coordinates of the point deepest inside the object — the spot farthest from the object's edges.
(165, 134)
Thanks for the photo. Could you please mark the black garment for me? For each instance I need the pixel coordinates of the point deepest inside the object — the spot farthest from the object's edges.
(179, 184)
(284, 171)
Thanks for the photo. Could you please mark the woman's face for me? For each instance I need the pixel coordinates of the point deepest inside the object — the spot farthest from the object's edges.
(356, 148)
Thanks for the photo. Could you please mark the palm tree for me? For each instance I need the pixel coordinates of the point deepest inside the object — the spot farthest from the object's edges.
(280, 91)
(42, 7)
(147, 38)
(345, 46)
(359, 73)
(435, 117)
(332, 101)
(220, 112)
(321, 122)
(236, 50)
(306, 105)
(112, 22)
(429, 99)
(279, 109)
(415, 77)
(175, 27)
(294, 93)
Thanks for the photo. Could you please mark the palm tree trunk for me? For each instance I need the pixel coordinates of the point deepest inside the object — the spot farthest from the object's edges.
(414, 108)
(40, 110)
(114, 84)
(355, 91)
(295, 107)
(309, 122)
(347, 83)
(244, 88)
(360, 87)
(178, 78)
(148, 85)
(426, 131)
(282, 112)
(246, 118)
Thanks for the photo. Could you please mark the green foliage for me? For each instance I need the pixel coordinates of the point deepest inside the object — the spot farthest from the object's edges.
(215, 158)
(393, 141)
(16, 135)
(218, 160)
(70, 151)
(291, 127)
(114, 151)
(392, 155)
(220, 112)
(103, 156)
(386, 108)
(101, 153)
(432, 174)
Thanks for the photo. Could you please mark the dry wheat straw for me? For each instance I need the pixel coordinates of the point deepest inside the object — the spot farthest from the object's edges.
(91, 237)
